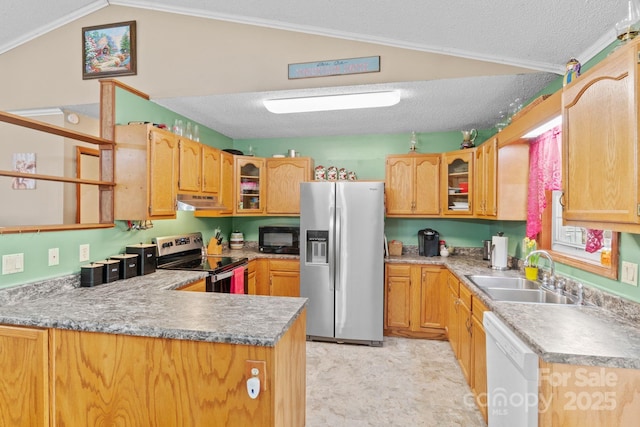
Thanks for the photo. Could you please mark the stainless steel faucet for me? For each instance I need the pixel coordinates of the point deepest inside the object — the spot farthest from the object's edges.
(552, 265)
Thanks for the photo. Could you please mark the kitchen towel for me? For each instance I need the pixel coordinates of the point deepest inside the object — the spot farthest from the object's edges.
(237, 281)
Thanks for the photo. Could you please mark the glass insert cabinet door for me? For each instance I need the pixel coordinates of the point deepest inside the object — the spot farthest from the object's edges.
(249, 173)
(458, 174)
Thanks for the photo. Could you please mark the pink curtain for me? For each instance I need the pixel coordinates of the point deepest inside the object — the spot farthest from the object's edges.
(545, 173)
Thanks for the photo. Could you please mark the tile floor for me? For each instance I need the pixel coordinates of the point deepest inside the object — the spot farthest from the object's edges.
(406, 382)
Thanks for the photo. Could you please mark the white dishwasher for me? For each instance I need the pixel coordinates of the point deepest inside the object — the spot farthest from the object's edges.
(512, 377)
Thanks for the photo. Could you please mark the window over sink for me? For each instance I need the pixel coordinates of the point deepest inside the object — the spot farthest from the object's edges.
(567, 244)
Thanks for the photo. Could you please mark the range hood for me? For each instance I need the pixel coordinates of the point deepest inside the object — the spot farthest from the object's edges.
(188, 202)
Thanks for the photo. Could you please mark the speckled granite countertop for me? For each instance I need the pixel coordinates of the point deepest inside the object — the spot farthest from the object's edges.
(603, 335)
(149, 306)
(579, 335)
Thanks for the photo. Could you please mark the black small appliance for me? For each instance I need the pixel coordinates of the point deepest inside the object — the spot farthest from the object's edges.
(279, 239)
(428, 242)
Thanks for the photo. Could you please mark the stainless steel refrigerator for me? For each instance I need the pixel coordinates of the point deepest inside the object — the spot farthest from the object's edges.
(342, 260)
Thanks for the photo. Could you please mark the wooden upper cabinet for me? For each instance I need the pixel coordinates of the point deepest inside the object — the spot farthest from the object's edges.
(284, 176)
(485, 188)
(412, 185)
(249, 185)
(458, 184)
(227, 182)
(190, 166)
(146, 173)
(600, 144)
(210, 170)
(163, 174)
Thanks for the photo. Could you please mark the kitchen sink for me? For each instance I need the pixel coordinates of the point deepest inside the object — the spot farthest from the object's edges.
(518, 289)
(528, 295)
(503, 282)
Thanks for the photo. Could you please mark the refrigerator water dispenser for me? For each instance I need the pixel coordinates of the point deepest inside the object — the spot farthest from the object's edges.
(317, 241)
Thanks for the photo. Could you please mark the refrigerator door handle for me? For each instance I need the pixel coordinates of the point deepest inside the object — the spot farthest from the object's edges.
(331, 248)
(338, 249)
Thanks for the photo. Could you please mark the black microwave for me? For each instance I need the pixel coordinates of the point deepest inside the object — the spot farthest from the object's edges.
(277, 239)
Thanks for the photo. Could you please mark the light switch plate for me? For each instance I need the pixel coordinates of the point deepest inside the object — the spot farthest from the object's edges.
(13, 263)
(629, 273)
(84, 253)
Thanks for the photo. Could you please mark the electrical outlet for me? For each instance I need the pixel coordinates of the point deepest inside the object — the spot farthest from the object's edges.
(84, 253)
(629, 273)
(13, 263)
(54, 256)
(257, 368)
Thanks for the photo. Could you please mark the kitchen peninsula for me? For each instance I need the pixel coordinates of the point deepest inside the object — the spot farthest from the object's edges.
(138, 352)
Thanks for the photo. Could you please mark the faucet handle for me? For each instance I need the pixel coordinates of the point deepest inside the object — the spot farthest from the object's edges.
(561, 284)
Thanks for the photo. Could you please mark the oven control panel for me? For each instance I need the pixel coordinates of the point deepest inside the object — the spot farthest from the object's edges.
(170, 245)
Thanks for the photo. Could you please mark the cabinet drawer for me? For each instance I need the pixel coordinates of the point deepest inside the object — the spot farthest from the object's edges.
(284, 265)
(478, 308)
(465, 295)
(399, 270)
(454, 284)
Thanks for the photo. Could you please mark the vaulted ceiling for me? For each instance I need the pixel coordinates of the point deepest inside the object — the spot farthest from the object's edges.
(456, 63)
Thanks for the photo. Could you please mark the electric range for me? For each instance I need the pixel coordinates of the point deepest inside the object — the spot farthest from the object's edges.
(186, 252)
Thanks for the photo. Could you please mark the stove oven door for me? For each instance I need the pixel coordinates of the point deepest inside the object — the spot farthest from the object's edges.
(221, 282)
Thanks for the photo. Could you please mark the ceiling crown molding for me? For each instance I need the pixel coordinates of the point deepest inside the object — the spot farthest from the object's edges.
(76, 14)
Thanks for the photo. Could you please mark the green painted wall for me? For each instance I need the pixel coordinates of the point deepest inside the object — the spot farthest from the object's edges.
(365, 155)
(132, 108)
(106, 242)
(362, 154)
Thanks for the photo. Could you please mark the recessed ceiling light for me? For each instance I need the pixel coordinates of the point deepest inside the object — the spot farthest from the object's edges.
(332, 102)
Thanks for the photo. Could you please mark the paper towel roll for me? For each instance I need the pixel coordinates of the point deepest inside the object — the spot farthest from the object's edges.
(499, 255)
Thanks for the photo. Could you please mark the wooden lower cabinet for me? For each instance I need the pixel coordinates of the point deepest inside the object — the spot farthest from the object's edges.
(109, 380)
(251, 277)
(467, 337)
(415, 303)
(24, 376)
(197, 286)
(284, 278)
(587, 396)
(479, 356)
(464, 328)
(276, 277)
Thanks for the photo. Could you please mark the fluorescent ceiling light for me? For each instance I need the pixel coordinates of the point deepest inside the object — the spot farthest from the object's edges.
(556, 121)
(332, 102)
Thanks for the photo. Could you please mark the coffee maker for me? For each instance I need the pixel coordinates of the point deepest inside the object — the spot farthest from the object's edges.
(428, 242)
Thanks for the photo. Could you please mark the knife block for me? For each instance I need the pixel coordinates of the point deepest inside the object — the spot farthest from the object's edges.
(214, 248)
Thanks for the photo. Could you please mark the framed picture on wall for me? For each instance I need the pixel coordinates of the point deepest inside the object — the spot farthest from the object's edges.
(109, 50)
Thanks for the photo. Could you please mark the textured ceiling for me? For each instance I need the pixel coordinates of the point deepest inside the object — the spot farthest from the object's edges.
(538, 37)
